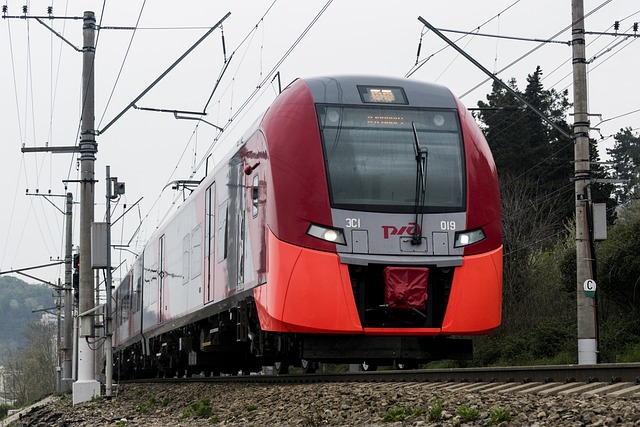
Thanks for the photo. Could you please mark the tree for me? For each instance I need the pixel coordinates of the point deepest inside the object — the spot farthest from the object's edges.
(528, 225)
(18, 300)
(534, 163)
(626, 157)
(521, 141)
(32, 369)
(618, 261)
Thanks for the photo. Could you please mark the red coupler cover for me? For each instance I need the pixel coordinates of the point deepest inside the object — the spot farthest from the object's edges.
(406, 287)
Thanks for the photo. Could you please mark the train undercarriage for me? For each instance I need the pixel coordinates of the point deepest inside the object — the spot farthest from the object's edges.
(232, 342)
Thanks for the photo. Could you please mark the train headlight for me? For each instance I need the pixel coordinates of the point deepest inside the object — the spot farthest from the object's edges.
(333, 235)
(466, 238)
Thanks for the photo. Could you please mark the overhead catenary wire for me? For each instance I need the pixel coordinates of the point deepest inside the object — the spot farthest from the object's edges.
(30, 113)
(419, 64)
(562, 148)
(513, 124)
(234, 114)
(122, 64)
(19, 127)
(534, 49)
(175, 168)
(214, 102)
(546, 76)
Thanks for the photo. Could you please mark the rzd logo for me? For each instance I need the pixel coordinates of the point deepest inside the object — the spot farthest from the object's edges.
(405, 230)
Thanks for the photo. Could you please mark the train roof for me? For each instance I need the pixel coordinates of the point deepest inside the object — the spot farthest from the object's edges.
(348, 90)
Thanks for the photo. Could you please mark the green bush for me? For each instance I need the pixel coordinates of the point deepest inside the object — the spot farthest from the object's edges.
(548, 342)
(4, 410)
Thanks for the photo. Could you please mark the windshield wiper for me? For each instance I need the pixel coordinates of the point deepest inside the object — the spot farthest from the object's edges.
(421, 185)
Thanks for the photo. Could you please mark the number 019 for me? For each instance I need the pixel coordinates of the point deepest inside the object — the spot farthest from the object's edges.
(447, 225)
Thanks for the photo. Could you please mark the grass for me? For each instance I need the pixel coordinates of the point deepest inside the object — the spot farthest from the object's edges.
(199, 409)
(151, 405)
(499, 415)
(400, 414)
(629, 354)
(467, 414)
(435, 412)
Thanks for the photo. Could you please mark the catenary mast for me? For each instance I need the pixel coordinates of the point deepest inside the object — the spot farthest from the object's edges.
(86, 387)
(586, 307)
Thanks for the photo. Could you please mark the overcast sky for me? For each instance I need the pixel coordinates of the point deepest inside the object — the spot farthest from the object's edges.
(40, 77)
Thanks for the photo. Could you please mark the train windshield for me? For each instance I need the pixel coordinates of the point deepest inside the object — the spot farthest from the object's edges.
(370, 158)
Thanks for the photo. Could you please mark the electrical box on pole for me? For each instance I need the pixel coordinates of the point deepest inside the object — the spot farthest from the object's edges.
(599, 215)
(99, 245)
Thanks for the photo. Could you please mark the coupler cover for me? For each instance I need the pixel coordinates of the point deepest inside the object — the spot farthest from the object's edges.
(406, 287)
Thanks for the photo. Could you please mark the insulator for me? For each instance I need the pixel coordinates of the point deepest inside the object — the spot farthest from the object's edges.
(25, 9)
(5, 9)
(635, 27)
(50, 10)
(616, 25)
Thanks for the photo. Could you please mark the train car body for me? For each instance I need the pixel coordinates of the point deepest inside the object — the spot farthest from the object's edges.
(358, 220)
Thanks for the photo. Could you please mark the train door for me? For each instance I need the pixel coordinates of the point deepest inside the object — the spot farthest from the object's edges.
(210, 243)
(161, 275)
(241, 236)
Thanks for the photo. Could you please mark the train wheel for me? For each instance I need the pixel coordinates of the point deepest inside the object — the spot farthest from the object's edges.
(309, 366)
(405, 366)
(366, 366)
(281, 368)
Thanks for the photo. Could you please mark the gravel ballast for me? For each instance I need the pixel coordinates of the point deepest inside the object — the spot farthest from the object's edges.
(329, 404)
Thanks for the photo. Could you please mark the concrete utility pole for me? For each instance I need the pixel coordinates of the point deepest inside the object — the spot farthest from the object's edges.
(86, 387)
(587, 318)
(67, 349)
(108, 344)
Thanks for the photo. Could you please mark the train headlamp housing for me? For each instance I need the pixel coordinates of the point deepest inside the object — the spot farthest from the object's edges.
(468, 237)
(328, 234)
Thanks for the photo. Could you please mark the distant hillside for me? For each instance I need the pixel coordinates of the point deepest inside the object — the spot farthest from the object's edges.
(18, 299)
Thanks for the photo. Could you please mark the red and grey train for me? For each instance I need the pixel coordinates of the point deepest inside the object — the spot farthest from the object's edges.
(358, 221)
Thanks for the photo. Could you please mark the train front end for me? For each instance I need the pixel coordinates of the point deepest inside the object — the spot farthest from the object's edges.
(383, 221)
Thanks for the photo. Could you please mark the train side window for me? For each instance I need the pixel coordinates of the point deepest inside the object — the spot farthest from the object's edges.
(137, 296)
(255, 196)
(223, 230)
(210, 220)
(186, 252)
(123, 299)
(196, 251)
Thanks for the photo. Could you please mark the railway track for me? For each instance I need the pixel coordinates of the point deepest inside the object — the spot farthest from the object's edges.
(551, 396)
(616, 380)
